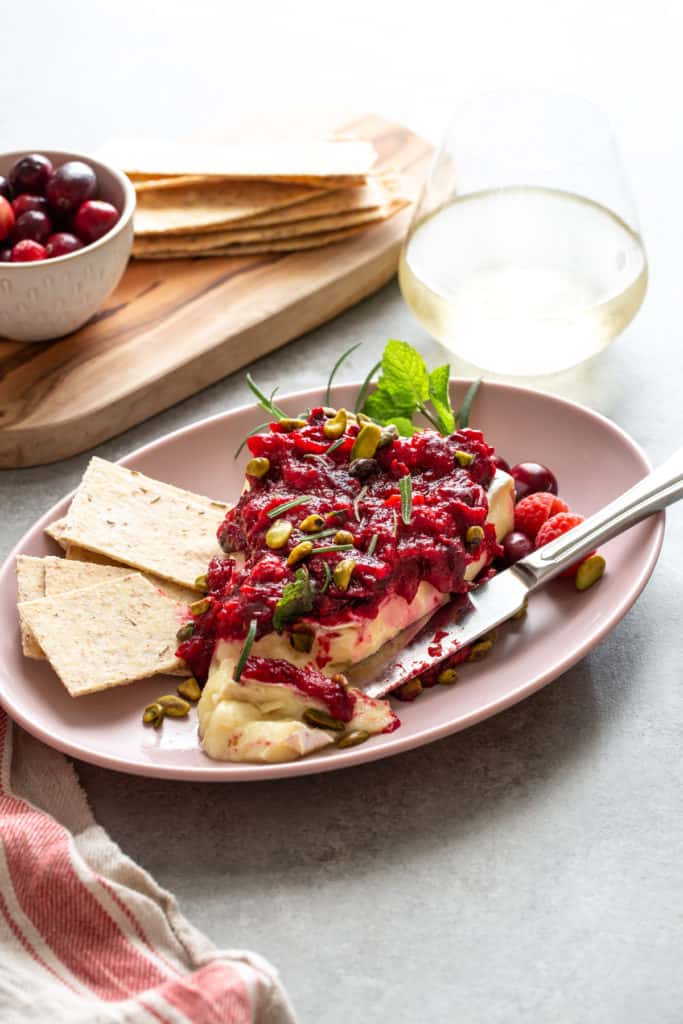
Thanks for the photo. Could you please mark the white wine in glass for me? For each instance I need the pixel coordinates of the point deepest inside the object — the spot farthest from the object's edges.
(524, 278)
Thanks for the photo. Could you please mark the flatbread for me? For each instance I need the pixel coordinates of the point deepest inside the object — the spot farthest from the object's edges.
(144, 523)
(76, 554)
(252, 248)
(54, 530)
(189, 243)
(207, 205)
(62, 575)
(344, 158)
(323, 204)
(30, 586)
(106, 635)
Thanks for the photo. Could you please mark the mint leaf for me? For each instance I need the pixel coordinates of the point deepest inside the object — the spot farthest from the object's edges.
(296, 600)
(404, 374)
(381, 405)
(464, 414)
(403, 424)
(441, 399)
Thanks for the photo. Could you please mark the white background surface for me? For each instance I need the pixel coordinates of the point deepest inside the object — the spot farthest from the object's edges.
(528, 870)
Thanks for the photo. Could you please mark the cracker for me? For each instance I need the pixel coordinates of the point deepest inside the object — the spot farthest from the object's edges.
(54, 530)
(30, 586)
(144, 523)
(76, 554)
(208, 205)
(338, 159)
(62, 575)
(252, 248)
(322, 204)
(200, 242)
(107, 635)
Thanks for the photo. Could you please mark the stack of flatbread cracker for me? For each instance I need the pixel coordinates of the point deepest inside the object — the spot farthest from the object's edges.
(243, 199)
(107, 612)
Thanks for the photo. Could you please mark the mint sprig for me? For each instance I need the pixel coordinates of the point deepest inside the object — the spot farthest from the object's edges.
(406, 387)
(296, 600)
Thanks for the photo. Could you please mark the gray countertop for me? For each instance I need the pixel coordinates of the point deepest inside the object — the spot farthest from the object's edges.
(528, 869)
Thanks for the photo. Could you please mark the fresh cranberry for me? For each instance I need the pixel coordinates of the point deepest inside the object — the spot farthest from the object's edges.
(28, 251)
(30, 174)
(515, 546)
(70, 185)
(62, 243)
(7, 218)
(6, 254)
(34, 225)
(531, 477)
(25, 202)
(94, 219)
(500, 463)
(5, 189)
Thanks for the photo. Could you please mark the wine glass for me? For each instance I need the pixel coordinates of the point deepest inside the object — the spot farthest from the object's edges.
(524, 255)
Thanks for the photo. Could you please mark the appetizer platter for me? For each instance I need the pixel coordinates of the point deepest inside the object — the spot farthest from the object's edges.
(171, 633)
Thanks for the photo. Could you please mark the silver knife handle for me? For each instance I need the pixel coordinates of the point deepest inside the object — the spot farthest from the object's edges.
(652, 494)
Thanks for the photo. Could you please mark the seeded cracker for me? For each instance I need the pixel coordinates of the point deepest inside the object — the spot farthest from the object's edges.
(30, 585)
(54, 530)
(62, 575)
(144, 523)
(106, 635)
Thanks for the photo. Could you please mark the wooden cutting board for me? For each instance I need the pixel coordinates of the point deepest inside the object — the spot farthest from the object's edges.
(172, 328)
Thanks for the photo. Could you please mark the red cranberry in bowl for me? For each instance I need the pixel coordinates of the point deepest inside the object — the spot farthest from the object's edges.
(531, 477)
(30, 174)
(34, 225)
(62, 243)
(515, 546)
(5, 190)
(6, 254)
(28, 251)
(25, 202)
(70, 185)
(94, 219)
(7, 218)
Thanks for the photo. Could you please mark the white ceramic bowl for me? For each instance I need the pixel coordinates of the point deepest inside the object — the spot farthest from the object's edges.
(50, 298)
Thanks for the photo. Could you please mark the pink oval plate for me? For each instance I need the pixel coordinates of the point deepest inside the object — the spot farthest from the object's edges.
(594, 461)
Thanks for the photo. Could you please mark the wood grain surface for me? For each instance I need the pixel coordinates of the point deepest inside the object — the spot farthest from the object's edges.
(172, 328)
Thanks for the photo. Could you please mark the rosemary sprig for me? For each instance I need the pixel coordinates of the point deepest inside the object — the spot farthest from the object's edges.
(248, 644)
(335, 444)
(357, 500)
(331, 547)
(342, 358)
(256, 430)
(266, 403)
(463, 417)
(373, 543)
(405, 485)
(285, 507)
(328, 578)
(322, 533)
(395, 529)
(364, 389)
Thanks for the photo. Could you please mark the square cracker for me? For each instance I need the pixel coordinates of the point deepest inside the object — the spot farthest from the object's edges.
(150, 525)
(107, 635)
(63, 575)
(30, 586)
(54, 530)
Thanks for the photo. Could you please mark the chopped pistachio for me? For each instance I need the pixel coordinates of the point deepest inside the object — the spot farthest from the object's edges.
(335, 427)
(321, 719)
(279, 533)
(153, 715)
(201, 606)
(257, 467)
(342, 572)
(185, 632)
(480, 650)
(353, 738)
(343, 537)
(202, 582)
(590, 571)
(189, 689)
(447, 677)
(522, 611)
(301, 551)
(410, 690)
(312, 524)
(464, 458)
(365, 445)
(291, 424)
(173, 705)
(474, 535)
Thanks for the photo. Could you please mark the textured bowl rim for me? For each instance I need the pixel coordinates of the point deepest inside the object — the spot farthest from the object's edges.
(126, 213)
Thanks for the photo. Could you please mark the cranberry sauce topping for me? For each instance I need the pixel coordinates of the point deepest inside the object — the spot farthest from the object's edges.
(306, 679)
(449, 477)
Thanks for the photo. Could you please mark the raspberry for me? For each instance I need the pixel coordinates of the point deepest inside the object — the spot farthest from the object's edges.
(534, 510)
(554, 528)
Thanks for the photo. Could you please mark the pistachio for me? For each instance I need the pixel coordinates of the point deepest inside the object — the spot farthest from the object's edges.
(335, 427)
(521, 614)
(301, 638)
(342, 572)
(189, 689)
(480, 650)
(590, 571)
(464, 458)
(202, 582)
(329, 411)
(201, 606)
(312, 524)
(353, 738)
(410, 690)
(388, 436)
(321, 720)
(341, 680)
(474, 535)
(362, 418)
(291, 424)
(363, 468)
(153, 715)
(343, 537)
(301, 551)
(447, 676)
(185, 632)
(279, 533)
(365, 445)
(173, 706)
(257, 467)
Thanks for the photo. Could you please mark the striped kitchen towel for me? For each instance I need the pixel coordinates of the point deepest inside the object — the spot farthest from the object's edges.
(86, 936)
